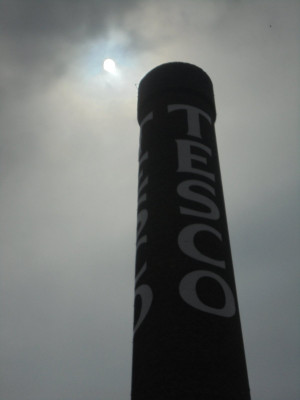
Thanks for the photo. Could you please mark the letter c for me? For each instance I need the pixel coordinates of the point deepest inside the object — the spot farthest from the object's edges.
(187, 246)
(146, 296)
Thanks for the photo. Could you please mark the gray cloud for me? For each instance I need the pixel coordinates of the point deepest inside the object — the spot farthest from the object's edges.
(68, 160)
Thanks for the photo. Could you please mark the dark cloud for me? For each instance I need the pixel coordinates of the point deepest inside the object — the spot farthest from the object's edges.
(71, 19)
(40, 39)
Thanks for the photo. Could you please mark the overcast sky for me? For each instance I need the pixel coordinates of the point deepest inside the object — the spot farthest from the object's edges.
(68, 195)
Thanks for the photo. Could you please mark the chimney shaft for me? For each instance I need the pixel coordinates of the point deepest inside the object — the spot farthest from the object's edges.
(187, 335)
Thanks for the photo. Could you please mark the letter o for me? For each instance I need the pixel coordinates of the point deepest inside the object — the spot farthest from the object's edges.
(188, 292)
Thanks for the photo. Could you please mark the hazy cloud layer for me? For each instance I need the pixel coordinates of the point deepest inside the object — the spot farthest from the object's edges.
(41, 40)
(68, 159)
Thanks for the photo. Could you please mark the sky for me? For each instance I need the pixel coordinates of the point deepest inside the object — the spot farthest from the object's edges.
(68, 183)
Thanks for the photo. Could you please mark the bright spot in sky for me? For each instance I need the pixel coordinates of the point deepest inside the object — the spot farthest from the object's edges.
(109, 65)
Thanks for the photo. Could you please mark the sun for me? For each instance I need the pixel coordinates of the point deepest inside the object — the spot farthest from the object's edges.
(109, 65)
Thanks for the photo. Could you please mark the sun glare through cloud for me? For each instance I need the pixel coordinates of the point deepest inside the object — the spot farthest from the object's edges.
(109, 65)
